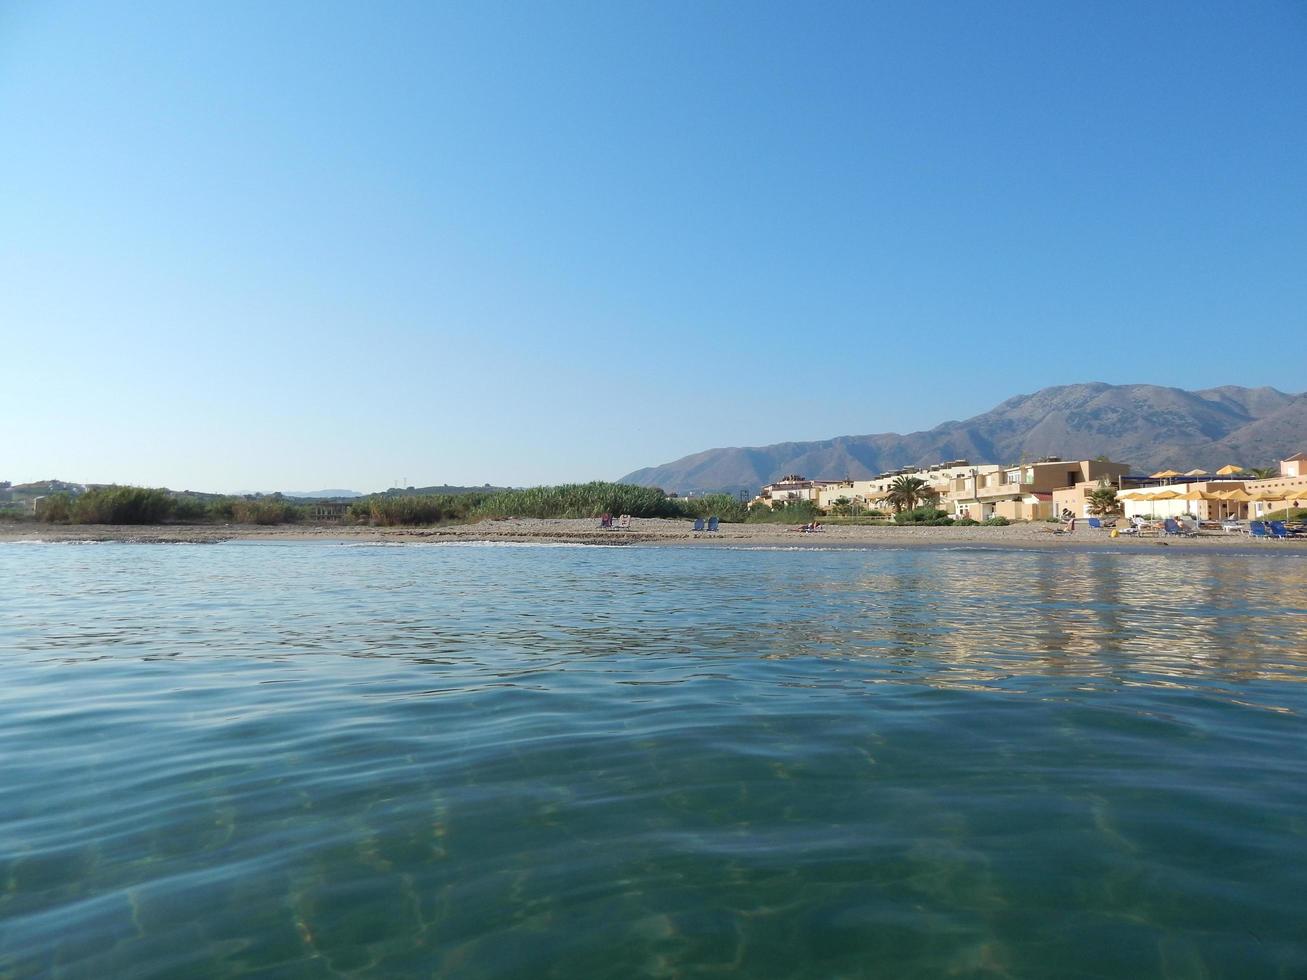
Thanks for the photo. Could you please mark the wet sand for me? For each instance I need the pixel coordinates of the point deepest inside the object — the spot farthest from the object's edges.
(1038, 536)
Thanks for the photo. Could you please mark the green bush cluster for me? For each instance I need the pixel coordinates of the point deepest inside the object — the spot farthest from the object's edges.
(395, 510)
(580, 500)
(263, 510)
(966, 522)
(730, 509)
(784, 512)
(929, 516)
(997, 521)
(110, 505)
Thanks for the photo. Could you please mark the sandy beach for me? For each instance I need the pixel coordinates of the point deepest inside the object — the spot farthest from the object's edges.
(1036, 536)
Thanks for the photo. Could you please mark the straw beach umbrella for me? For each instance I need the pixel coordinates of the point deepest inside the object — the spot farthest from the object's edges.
(1196, 473)
(1269, 496)
(1192, 495)
(1239, 496)
(1165, 495)
(1229, 470)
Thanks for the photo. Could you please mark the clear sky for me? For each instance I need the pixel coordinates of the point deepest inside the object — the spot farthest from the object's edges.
(303, 245)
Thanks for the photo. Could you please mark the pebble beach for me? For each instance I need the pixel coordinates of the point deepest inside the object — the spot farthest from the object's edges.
(654, 531)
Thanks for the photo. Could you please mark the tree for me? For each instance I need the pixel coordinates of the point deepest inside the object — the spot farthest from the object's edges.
(906, 492)
(1262, 472)
(1102, 501)
(841, 506)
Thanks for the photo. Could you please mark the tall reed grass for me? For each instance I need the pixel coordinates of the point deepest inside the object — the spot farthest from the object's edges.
(580, 500)
(119, 505)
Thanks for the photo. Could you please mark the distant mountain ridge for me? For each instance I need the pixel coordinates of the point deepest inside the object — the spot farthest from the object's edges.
(1148, 426)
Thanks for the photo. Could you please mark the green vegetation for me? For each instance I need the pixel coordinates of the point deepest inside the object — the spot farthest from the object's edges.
(265, 510)
(927, 515)
(111, 505)
(906, 492)
(996, 521)
(730, 509)
(188, 507)
(386, 510)
(55, 509)
(784, 512)
(581, 500)
(1288, 514)
(1103, 502)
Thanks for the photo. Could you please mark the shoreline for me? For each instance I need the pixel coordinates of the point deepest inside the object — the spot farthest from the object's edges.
(654, 531)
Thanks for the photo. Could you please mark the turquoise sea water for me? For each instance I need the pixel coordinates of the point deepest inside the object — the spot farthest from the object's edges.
(318, 760)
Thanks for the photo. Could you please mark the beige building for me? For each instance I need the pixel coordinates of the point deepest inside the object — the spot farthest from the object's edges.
(1211, 500)
(790, 489)
(1025, 492)
(869, 494)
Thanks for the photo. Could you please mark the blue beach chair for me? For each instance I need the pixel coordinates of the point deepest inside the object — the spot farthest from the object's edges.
(1278, 530)
(1258, 529)
(713, 522)
(1095, 523)
(1170, 527)
(698, 524)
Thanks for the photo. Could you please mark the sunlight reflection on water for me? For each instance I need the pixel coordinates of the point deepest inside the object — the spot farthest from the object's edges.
(312, 760)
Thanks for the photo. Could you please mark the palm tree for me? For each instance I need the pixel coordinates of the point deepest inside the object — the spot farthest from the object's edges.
(1102, 501)
(908, 491)
(1262, 472)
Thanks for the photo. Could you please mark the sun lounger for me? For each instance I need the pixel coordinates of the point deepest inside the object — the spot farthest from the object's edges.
(1278, 530)
(1258, 530)
(698, 524)
(713, 522)
(1146, 529)
(624, 522)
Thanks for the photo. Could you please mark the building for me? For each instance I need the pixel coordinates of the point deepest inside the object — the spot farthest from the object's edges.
(868, 494)
(1211, 500)
(326, 510)
(1025, 492)
(791, 488)
(1294, 467)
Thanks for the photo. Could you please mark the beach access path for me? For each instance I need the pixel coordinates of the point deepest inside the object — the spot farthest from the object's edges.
(655, 531)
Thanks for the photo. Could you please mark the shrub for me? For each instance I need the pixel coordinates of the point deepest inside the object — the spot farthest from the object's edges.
(123, 505)
(930, 516)
(785, 512)
(431, 508)
(997, 521)
(264, 510)
(579, 500)
(723, 505)
(55, 509)
(188, 508)
(966, 522)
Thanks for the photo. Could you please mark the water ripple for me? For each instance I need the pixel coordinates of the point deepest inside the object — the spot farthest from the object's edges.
(316, 760)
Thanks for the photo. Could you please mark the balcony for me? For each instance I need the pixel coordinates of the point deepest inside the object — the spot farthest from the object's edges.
(1001, 490)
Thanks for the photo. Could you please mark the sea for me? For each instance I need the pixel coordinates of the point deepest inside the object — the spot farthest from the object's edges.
(315, 759)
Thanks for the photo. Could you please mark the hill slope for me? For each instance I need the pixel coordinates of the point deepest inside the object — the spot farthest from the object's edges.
(1148, 426)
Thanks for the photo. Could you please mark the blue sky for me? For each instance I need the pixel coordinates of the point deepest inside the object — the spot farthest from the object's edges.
(305, 245)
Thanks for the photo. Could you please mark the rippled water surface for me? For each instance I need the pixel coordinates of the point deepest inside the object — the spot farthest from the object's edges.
(313, 760)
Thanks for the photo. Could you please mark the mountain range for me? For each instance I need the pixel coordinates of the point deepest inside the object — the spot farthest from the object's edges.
(1147, 426)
